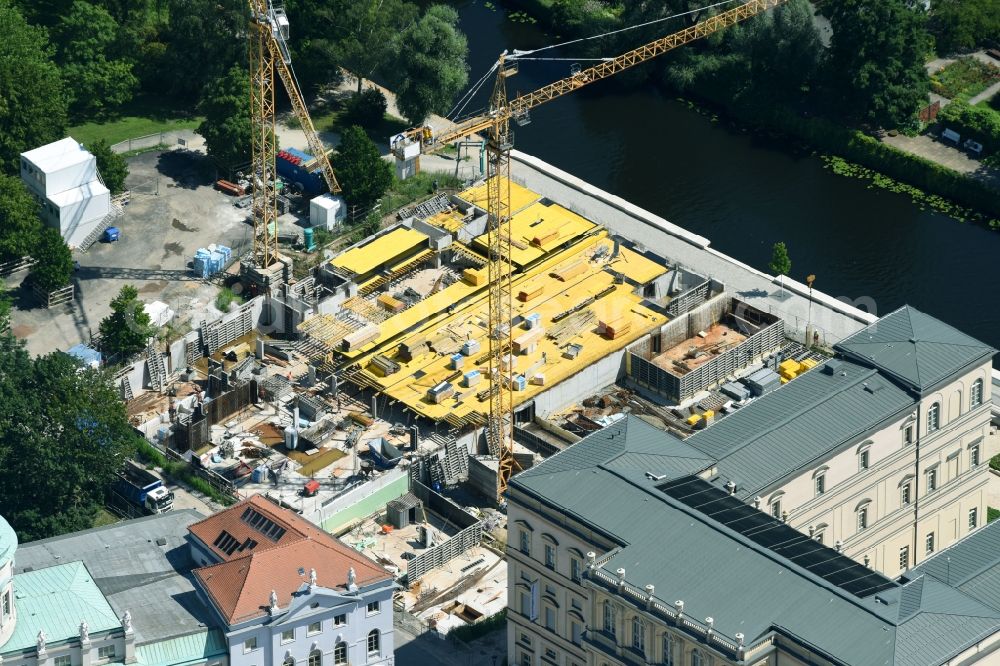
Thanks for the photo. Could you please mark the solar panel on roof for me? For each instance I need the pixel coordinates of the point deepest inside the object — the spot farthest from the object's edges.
(762, 529)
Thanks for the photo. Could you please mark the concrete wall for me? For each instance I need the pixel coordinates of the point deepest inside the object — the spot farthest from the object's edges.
(360, 502)
(584, 383)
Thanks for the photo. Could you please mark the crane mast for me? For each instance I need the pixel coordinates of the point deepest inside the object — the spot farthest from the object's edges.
(499, 140)
(269, 53)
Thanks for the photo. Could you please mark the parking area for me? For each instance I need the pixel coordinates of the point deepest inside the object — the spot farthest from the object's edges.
(173, 211)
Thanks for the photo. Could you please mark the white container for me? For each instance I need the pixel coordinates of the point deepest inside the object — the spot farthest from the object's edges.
(327, 211)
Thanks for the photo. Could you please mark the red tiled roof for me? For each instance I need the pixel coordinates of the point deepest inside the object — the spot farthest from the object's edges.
(240, 586)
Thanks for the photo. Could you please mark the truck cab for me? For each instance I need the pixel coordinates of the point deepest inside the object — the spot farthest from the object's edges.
(144, 489)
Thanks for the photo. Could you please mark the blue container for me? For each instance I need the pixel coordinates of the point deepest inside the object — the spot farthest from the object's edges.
(225, 251)
(456, 361)
(532, 320)
(520, 383)
(259, 474)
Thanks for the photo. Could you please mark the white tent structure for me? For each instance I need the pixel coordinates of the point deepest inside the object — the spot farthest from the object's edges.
(63, 177)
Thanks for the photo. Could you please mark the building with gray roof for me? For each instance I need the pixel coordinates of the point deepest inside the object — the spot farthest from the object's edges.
(620, 553)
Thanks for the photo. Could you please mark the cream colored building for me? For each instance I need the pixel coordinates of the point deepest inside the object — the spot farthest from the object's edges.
(870, 454)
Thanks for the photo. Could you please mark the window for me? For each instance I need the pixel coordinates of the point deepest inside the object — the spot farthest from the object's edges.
(249, 645)
(340, 653)
(576, 632)
(862, 517)
(974, 456)
(820, 484)
(864, 459)
(904, 557)
(525, 544)
(976, 394)
(108, 651)
(668, 650)
(315, 658)
(934, 417)
(973, 518)
(6, 603)
(288, 636)
(550, 556)
(908, 435)
(550, 618)
(550, 654)
(905, 493)
(776, 509)
(609, 619)
(929, 543)
(697, 659)
(340, 620)
(373, 607)
(314, 628)
(525, 659)
(931, 479)
(574, 569)
(373, 642)
(524, 638)
(64, 660)
(525, 599)
(638, 635)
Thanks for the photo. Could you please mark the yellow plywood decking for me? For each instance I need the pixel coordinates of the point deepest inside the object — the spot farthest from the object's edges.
(366, 258)
(519, 196)
(552, 225)
(447, 332)
(636, 267)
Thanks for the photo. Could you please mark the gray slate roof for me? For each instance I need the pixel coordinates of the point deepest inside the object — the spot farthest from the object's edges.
(152, 582)
(745, 587)
(800, 423)
(915, 348)
(971, 565)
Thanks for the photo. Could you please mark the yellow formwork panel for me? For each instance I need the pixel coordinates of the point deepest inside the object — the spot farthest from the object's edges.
(366, 258)
(636, 267)
(470, 321)
(551, 225)
(451, 220)
(520, 196)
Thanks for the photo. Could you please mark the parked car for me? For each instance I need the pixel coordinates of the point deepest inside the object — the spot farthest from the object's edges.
(111, 234)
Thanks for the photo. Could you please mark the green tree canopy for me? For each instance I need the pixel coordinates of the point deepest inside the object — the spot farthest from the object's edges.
(64, 434)
(112, 166)
(227, 124)
(204, 38)
(963, 25)
(55, 263)
(20, 225)
(780, 264)
(877, 60)
(433, 68)
(32, 99)
(126, 331)
(99, 84)
(361, 171)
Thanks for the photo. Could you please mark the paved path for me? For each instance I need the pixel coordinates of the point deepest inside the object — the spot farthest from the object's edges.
(931, 148)
(938, 64)
(986, 94)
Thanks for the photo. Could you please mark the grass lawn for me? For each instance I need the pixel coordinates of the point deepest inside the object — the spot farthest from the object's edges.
(144, 115)
(964, 78)
(404, 192)
(105, 517)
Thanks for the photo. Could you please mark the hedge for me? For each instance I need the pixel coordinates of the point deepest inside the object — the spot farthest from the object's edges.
(979, 123)
(471, 632)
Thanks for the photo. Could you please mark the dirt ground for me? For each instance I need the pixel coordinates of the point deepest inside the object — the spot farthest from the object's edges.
(695, 352)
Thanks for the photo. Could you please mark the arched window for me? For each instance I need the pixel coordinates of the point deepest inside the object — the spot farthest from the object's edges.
(697, 659)
(373, 642)
(668, 650)
(934, 417)
(862, 514)
(976, 394)
(609, 619)
(340, 653)
(819, 481)
(315, 658)
(638, 635)
(864, 456)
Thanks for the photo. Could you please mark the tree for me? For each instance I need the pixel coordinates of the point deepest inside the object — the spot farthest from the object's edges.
(781, 264)
(366, 108)
(363, 174)
(55, 263)
(433, 69)
(126, 331)
(99, 84)
(227, 124)
(876, 60)
(111, 165)
(32, 99)
(5, 308)
(204, 38)
(19, 213)
(963, 25)
(64, 434)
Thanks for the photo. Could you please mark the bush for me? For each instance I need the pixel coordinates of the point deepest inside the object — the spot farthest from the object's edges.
(149, 454)
(366, 109)
(992, 514)
(978, 122)
(995, 462)
(225, 298)
(471, 632)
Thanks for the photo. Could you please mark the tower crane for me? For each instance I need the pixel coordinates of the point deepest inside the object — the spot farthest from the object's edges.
(269, 53)
(496, 123)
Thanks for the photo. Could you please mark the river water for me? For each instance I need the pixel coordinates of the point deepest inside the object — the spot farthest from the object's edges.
(744, 193)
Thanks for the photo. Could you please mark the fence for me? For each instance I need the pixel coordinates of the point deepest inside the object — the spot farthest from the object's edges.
(176, 137)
